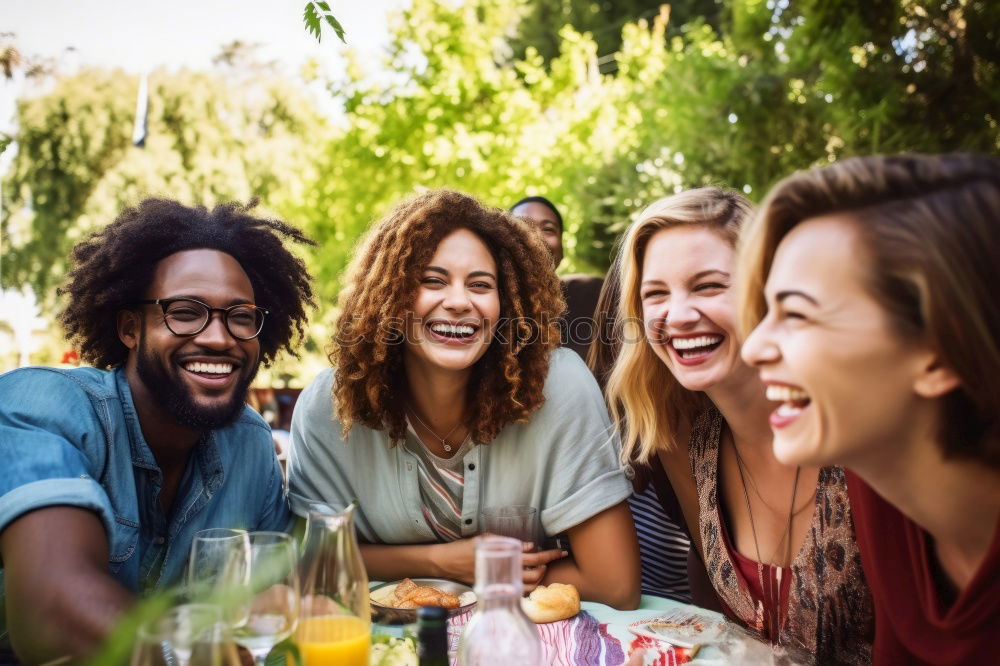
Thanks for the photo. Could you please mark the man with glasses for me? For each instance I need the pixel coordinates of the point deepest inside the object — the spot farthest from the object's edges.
(108, 471)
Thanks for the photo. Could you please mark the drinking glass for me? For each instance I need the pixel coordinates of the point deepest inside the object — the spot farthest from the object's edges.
(273, 606)
(517, 522)
(187, 635)
(219, 570)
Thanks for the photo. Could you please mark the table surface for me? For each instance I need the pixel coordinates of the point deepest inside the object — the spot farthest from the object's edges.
(734, 646)
(650, 608)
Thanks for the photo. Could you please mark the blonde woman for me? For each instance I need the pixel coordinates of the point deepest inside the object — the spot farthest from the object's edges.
(777, 540)
(880, 322)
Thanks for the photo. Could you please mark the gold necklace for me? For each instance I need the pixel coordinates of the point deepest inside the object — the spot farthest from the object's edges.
(774, 615)
(443, 440)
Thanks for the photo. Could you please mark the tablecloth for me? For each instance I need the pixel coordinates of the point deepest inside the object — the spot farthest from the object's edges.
(599, 636)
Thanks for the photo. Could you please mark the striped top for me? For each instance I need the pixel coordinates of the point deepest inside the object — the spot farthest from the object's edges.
(663, 547)
(442, 483)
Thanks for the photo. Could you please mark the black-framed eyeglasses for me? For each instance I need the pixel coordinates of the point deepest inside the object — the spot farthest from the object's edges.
(186, 317)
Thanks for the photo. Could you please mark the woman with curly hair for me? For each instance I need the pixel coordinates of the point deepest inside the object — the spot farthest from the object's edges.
(782, 562)
(448, 396)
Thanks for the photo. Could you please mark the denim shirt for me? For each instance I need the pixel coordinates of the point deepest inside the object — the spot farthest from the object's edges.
(72, 437)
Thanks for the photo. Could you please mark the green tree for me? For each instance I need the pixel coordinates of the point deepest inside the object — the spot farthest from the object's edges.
(209, 140)
(738, 93)
(742, 98)
(603, 20)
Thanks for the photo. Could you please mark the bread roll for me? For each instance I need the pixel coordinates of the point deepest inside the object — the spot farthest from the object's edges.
(557, 601)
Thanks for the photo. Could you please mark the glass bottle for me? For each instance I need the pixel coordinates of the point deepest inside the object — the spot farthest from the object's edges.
(432, 636)
(335, 618)
(499, 632)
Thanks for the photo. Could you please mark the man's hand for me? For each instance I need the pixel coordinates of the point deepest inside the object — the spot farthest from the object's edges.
(61, 600)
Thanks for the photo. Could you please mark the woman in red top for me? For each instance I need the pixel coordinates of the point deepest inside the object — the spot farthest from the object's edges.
(877, 331)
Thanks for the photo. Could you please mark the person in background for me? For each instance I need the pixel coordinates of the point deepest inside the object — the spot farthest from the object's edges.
(870, 286)
(664, 544)
(264, 401)
(109, 471)
(447, 397)
(782, 562)
(580, 291)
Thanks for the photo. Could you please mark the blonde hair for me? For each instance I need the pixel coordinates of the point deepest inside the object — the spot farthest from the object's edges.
(646, 401)
(930, 226)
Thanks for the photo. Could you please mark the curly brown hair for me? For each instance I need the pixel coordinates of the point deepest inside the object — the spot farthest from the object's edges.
(382, 284)
(113, 267)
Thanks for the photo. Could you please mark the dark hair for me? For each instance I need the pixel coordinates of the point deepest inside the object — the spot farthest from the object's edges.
(507, 382)
(545, 202)
(114, 267)
(931, 225)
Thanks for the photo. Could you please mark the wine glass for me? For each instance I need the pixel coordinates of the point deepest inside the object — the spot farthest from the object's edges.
(516, 521)
(219, 568)
(187, 635)
(273, 608)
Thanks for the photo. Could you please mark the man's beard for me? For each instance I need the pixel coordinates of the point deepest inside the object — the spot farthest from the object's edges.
(171, 393)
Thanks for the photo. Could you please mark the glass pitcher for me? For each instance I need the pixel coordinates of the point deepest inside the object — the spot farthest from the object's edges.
(499, 633)
(335, 617)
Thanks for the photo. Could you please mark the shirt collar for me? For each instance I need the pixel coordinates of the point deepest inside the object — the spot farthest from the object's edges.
(141, 455)
(206, 451)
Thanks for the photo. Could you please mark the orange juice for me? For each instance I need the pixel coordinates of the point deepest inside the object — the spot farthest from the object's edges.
(333, 640)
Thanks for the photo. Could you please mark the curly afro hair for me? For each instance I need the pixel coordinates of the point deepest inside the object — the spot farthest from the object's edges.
(114, 267)
(380, 289)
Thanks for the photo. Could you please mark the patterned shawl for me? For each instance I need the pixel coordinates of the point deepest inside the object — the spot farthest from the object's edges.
(830, 612)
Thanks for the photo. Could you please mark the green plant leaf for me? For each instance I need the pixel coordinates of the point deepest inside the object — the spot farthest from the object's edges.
(315, 14)
(279, 655)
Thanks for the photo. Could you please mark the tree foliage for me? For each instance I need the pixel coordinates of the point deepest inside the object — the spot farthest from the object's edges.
(738, 93)
(742, 99)
(602, 20)
(210, 139)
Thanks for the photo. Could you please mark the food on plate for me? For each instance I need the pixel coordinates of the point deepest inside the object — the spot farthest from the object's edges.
(389, 651)
(557, 601)
(408, 595)
(680, 628)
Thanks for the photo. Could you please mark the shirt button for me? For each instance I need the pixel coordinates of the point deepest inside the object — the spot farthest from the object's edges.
(468, 521)
(472, 467)
(159, 541)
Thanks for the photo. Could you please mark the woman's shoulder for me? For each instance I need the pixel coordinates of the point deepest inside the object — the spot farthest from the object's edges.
(318, 393)
(315, 424)
(568, 374)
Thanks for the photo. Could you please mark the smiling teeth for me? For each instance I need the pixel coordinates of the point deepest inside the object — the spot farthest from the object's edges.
(692, 343)
(786, 394)
(786, 410)
(210, 368)
(450, 329)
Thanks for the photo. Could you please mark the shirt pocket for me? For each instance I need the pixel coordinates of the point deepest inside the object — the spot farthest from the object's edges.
(123, 543)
